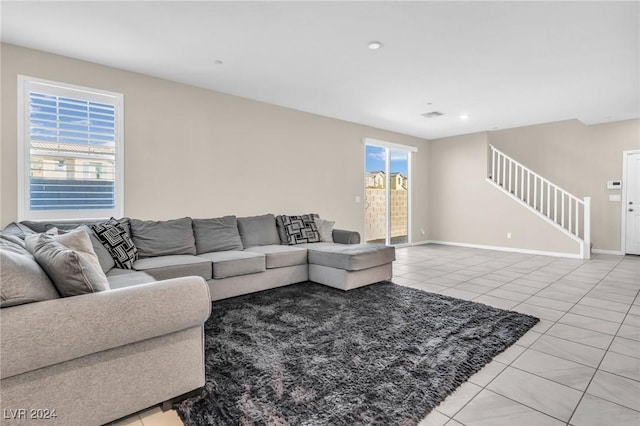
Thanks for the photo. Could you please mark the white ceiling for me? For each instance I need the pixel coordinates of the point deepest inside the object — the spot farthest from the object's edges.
(505, 64)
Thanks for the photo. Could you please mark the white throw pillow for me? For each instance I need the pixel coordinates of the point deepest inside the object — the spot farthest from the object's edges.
(325, 229)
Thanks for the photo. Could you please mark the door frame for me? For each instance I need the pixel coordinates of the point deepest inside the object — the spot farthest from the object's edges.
(623, 207)
(390, 146)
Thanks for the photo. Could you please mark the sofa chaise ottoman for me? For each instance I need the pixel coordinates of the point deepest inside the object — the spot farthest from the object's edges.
(349, 266)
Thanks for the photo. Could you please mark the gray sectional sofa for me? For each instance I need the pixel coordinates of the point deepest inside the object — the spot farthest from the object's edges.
(101, 356)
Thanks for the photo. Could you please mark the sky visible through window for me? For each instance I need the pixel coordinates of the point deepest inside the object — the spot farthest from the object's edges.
(375, 160)
(69, 120)
(72, 153)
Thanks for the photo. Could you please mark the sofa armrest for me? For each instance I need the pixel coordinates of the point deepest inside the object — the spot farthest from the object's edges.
(40, 334)
(345, 237)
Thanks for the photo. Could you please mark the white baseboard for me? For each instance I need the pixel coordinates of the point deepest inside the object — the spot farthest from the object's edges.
(507, 249)
(611, 252)
(421, 243)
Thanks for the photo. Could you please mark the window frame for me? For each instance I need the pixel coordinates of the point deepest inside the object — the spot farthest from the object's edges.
(27, 84)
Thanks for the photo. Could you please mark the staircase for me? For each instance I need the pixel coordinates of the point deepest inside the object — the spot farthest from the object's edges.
(563, 210)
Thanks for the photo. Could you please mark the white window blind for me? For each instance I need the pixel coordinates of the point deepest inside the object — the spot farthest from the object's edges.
(71, 151)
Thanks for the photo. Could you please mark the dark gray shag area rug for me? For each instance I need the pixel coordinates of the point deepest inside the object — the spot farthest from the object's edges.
(308, 354)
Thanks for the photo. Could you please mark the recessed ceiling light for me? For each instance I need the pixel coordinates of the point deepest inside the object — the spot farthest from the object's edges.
(464, 117)
(373, 45)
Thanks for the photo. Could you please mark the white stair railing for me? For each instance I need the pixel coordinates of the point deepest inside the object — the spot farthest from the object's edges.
(564, 210)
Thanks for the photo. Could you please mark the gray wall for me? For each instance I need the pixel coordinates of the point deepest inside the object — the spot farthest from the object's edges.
(579, 158)
(200, 153)
(465, 208)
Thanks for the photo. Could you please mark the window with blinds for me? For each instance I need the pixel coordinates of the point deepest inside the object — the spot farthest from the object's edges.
(72, 151)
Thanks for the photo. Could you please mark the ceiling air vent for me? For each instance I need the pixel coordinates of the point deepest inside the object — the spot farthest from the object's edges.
(432, 114)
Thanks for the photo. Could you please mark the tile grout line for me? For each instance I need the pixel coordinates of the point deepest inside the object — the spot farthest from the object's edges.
(507, 365)
(573, 304)
(542, 334)
(510, 363)
(608, 347)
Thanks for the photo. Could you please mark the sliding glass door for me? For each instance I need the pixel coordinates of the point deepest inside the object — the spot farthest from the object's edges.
(387, 195)
(399, 197)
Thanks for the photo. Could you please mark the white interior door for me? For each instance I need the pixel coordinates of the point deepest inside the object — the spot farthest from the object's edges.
(632, 203)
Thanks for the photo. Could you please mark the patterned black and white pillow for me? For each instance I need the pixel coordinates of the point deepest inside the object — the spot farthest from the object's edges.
(300, 229)
(116, 240)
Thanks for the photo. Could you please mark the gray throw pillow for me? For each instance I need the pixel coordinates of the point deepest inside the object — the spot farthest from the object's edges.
(71, 263)
(258, 230)
(31, 240)
(325, 229)
(218, 234)
(282, 234)
(17, 229)
(104, 257)
(162, 238)
(23, 280)
(14, 239)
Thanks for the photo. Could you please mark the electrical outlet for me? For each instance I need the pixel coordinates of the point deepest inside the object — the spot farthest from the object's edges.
(357, 198)
(508, 235)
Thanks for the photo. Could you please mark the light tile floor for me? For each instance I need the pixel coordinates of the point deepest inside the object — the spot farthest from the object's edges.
(579, 366)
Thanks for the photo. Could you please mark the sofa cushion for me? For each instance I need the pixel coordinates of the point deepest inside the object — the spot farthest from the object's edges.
(233, 263)
(258, 230)
(23, 280)
(280, 256)
(216, 234)
(300, 229)
(120, 278)
(174, 266)
(353, 257)
(43, 226)
(117, 241)
(325, 229)
(71, 263)
(162, 238)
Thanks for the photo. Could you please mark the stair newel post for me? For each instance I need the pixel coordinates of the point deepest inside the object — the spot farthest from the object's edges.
(586, 248)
